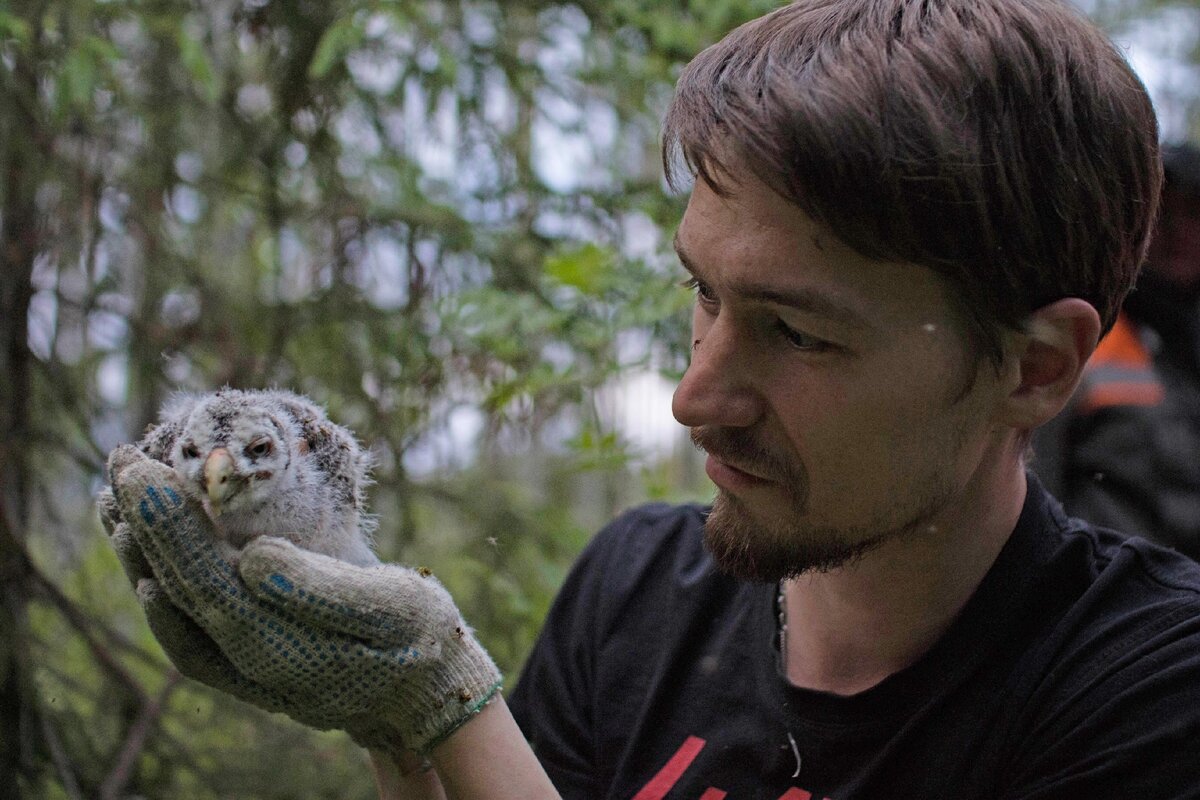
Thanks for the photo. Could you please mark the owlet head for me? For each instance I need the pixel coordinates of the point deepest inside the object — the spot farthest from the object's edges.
(234, 453)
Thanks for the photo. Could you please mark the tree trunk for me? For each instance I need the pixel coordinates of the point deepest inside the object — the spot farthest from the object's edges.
(19, 234)
(17, 247)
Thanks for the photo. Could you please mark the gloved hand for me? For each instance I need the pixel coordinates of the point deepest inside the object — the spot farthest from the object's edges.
(380, 652)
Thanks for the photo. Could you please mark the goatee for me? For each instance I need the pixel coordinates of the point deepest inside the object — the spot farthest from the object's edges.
(753, 551)
(783, 541)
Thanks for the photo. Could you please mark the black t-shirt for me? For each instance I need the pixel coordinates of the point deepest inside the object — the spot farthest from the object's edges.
(1072, 673)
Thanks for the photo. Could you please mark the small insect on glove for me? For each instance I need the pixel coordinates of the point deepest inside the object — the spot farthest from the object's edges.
(381, 652)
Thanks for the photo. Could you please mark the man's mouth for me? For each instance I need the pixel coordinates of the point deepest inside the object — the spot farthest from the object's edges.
(737, 461)
(728, 476)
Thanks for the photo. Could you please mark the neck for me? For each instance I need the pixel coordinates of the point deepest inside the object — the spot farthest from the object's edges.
(851, 627)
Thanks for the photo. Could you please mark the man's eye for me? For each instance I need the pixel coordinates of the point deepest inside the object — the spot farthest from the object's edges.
(801, 340)
(703, 293)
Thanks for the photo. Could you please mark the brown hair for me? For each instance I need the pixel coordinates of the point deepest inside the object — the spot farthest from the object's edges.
(1005, 144)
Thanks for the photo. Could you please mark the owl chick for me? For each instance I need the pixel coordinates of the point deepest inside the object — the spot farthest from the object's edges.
(268, 463)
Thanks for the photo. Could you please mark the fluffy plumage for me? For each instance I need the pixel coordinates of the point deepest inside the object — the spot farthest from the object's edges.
(269, 463)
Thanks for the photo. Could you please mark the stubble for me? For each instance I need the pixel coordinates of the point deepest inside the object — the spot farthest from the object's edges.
(783, 541)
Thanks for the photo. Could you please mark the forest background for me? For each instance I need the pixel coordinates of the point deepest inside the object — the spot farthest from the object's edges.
(445, 221)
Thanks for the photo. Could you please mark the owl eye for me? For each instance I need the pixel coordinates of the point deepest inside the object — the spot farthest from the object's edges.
(259, 447)
(190, 450)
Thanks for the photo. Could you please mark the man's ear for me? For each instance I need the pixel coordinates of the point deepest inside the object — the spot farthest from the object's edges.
(1050, 355)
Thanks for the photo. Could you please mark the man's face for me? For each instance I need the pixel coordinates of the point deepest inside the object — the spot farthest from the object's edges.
(827, 389)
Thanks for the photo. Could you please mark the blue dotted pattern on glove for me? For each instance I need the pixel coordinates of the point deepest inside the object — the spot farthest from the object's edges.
(207, 587)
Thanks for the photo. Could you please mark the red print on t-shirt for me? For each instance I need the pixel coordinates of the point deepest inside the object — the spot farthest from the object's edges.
(673, 770)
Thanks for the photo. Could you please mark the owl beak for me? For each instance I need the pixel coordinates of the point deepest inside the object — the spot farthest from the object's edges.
(218, 476)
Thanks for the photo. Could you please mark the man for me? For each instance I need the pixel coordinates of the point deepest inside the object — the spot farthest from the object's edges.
(1124, 453)
(911, 222)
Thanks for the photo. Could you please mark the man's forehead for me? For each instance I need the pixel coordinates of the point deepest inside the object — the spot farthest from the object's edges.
(749, 217)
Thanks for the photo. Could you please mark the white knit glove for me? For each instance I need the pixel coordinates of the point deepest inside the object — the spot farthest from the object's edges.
(380, 652)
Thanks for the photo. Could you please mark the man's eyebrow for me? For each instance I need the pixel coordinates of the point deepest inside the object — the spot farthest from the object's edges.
(801, 299)
(679, 251)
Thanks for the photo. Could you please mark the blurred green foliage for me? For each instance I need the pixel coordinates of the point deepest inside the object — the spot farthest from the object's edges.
(443, 220)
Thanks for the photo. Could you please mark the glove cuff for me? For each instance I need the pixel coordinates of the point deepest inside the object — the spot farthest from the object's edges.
(466, 680)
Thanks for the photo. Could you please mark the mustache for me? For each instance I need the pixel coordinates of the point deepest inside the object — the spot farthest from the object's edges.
(741, 449)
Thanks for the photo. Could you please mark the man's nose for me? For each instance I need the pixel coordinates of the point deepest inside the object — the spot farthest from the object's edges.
(718, 387)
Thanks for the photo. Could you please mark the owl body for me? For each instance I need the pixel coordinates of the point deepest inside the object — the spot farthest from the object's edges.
(269, 463)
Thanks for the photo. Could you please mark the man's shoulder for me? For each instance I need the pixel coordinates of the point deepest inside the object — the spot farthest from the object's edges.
(1120, 595)
(654, 526)
(1124, 558)
(1112, 666)
(661, 523)
(1076, 593)
(657, 515)
(649, 546)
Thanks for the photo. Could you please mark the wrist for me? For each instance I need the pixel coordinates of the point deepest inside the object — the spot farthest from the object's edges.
(464, 713)
(488, 758)
(404, 776)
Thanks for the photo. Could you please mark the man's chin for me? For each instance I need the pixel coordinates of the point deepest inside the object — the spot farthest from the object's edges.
(760, 551)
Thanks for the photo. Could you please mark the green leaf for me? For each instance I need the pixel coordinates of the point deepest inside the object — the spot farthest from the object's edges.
(86, 64)
(13, 27)
(338, 40)
(77, 78)
(587, 268)
(101, 50)
(198, 65)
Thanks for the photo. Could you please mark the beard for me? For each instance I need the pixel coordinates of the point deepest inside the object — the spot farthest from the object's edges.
(783, 542)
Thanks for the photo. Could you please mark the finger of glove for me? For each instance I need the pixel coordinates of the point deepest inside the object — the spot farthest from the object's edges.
(266, 656)
(120, 458)
(129, 553)
(269, 659)
(177, 540)
(321, 677)
(109, 510)
(186, 644)
(387, 605)
(198, 657)
(270, 665)
(175, 535)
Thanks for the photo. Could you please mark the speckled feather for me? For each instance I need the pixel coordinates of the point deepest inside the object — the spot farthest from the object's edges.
(308, 487)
